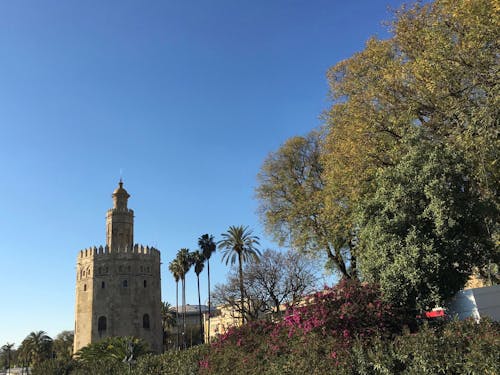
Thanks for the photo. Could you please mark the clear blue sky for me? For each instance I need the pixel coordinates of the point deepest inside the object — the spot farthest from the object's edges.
(186, 97)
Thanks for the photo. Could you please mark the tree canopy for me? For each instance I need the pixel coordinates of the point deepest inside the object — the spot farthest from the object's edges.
(293, 203)
(423, 231)
(435, 81)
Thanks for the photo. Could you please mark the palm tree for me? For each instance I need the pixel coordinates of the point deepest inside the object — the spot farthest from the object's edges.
(37, 346)
(199, 264)
(185, 263)
(239, 245)
(168, 319)
(112, 350)
(207, 245)
(167, 315)
(7, 349)
(175, 268)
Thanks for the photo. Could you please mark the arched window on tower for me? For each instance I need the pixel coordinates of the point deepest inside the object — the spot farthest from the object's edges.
(145, 283)
(145, 321)
(84, 287)
(103, 285)
(101, 325)
(125, 283)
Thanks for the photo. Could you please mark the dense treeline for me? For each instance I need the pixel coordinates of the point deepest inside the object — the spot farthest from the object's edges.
(37, 348)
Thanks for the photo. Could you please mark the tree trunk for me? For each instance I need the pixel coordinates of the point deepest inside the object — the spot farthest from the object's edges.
(199, 309)
(209, 305)
(177, 312)
(184, 313)
(241, 289)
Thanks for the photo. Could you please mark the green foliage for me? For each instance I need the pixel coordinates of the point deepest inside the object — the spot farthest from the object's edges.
(56, 366)
(167, 316)
(99, 367)
(239, 246)
(183, 362)
(207, 245)
(63, 345)
(294, 203)
(198, 261)
(112, 349)
(439, 70)
(455, 348)
(424, 230)
(35, 348)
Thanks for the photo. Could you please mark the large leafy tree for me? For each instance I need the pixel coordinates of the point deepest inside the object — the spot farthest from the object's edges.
(296, 207)
(63, 345)
(438, 71)
(199, 263)
(207, 246)
(239, 245)
(424, 230)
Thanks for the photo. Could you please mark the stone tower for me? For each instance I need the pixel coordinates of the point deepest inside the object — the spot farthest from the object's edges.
(118, 290)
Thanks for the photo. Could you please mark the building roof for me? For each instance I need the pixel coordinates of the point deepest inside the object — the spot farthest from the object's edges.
(193, 309)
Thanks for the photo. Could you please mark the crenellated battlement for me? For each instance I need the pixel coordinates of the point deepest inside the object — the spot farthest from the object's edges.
(95, 251)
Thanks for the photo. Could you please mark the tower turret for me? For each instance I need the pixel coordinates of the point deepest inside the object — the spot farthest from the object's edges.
(120, 221)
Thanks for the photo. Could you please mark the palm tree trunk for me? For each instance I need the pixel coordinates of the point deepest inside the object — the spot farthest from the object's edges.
(184, 312)
(199, 308)
(177, 311)
(240, 268)
(209, 306)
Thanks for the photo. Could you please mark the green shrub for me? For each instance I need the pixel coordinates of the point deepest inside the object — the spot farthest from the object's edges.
(54, 367)
(184, 362)
(459, 347)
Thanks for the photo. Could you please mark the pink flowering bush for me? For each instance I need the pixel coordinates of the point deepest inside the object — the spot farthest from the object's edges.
(346, 310)
(312, 337)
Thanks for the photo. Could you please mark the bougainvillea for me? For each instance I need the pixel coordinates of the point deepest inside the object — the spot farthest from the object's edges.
(346, 310)
(322, 327)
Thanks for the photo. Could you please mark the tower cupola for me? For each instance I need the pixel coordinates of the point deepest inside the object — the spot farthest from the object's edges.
(120, 197)
(120, 221)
